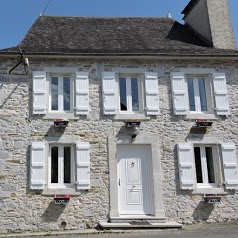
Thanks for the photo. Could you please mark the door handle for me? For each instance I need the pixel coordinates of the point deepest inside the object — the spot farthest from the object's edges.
(119, 182)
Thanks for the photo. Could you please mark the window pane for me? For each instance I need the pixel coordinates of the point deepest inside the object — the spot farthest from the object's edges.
(134, 92)
(198, 164)
(210, 165)
(202, 94)
(66, 93)
(191, 95)
(54, 93)
(67, 164)
(123, 98)
(54, 165)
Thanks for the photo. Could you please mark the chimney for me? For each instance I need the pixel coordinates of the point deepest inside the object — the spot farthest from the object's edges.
(211, 20)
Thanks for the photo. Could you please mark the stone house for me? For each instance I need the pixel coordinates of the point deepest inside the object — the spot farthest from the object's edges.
(134, 119)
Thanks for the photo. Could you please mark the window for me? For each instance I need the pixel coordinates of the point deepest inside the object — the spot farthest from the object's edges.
(56, 94)
(197, 94)
(205, 166)
(130, 94)
(61, 164)
(202, 165)
(204, 96)
(64, 165)
(130, 91)
(61, 94)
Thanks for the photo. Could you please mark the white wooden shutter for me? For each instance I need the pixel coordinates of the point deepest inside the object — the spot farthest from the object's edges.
(83, 165)
(109, 93)
(37, 165)
(82, 93)
(152, 93)
(230, 165)
(186, 166)
(39, 92)
(179, 93)
(220, 93)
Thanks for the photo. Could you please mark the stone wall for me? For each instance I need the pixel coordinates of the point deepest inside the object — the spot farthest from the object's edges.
(24, 210)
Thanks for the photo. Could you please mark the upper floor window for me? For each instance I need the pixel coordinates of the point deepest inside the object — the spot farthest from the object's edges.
(130, 94)
(60, 93)
(205, 94)
(197, 95)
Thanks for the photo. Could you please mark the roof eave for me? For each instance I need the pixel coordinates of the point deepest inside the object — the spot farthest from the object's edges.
(121, 55)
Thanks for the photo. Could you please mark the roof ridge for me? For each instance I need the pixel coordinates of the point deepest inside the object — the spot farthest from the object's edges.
(114, 17)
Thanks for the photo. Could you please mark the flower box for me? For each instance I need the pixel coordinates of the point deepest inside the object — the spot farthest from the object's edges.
(61, 122)
(212, 199)
(61, 199)
(202, 123)
(133, 123)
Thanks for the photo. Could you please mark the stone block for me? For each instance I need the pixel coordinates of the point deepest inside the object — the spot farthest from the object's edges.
(4, 194)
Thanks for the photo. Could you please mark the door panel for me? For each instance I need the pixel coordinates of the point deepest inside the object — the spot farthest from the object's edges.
(134, 182)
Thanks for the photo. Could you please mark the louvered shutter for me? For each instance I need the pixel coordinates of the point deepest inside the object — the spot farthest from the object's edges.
(179, 93)
(82, 93)
(39, 92)
(109, 93)
(152, 93)
(230, 165)
(220, 93)
(83, 165)
(186, 166)
(37, 166)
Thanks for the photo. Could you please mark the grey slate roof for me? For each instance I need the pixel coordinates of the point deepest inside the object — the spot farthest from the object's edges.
(114, 35)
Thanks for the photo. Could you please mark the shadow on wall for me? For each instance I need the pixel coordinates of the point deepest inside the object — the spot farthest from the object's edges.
(8, 96)
(53, 212)
(203, 211)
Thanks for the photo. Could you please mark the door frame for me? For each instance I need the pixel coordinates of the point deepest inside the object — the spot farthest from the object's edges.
(157, 208)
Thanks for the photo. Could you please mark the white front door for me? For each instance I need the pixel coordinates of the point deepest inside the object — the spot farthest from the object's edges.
(133, 179)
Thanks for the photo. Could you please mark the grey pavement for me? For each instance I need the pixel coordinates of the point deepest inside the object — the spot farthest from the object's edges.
(214, 230)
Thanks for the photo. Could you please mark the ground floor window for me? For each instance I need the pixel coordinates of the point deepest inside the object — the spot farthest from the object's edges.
(61, 166)
(204, 163)
(207, 166)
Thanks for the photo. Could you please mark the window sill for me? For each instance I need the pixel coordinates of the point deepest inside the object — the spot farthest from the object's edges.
(131, 117)
(60, 116)
(209, 191)
(60, 191)
(201, 116)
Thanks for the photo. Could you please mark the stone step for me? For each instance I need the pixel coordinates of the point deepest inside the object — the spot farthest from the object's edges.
(133, 219)
(139, 225)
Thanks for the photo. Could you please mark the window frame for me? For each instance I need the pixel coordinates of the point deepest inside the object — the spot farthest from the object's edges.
(60, 183)
(204, 166)
(60, 93)
(208, 90)
(141, 96)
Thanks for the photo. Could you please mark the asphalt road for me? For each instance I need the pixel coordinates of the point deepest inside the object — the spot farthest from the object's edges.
(224, 230)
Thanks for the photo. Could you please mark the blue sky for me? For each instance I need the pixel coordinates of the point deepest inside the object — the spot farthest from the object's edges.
(17, 16)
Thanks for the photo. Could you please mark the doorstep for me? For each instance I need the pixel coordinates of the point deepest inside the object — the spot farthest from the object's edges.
(141, 225)
(141, 218)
